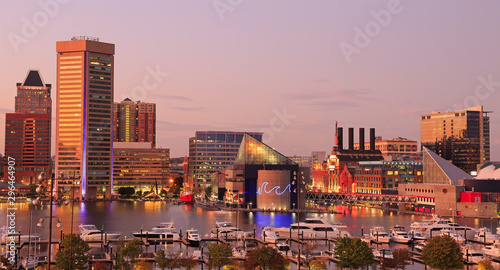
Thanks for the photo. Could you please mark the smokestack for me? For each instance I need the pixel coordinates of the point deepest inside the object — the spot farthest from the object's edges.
(362, 139)
(372, 139)
(351, 138)
(340, 136)
(336, 135)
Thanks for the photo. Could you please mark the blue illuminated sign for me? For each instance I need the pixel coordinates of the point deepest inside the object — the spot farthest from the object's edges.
(275, 189)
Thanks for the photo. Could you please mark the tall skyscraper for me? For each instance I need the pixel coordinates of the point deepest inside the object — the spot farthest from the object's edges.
(462, 137)
(85, 72)
(27, 131)
(213, 151)
(134, 121)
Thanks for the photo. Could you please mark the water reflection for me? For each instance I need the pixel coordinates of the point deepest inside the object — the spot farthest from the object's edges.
(131, 216)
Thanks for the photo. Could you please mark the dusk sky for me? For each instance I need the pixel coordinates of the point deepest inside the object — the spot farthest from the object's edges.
(288, 68)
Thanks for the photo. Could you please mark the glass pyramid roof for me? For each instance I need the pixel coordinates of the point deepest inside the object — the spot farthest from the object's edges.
(254, 152)
(437, 170)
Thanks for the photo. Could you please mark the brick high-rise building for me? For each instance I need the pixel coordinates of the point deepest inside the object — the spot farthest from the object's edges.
(85, 75)
(27, 131)
(134, 121)
(462, 137)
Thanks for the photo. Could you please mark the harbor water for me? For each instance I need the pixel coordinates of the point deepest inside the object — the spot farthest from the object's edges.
(127, 217)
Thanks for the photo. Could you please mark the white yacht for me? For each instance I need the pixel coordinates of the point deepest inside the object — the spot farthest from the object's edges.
(471, 255)
(89, 232)
(366, 238)
(315, 228)
(453, 235)
(225, 228)
(383, 253)
(239, 253)
(8, 236)
(269, 235)
(417, 236)
(484, 235)
(437, 224)
(283, 249)
(166, 225)
(193, 237)
(158, 234)
(379, 235)
(323, 223)
(420, 246)
(492, 251)
(399, 235)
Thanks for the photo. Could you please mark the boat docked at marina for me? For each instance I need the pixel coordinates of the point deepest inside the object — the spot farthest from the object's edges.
(314, 228)
(269, 235)
(226, 229)
(379, 235)
(417, 236)
(321, 224)
(484, 235)
(399, 235)
(89, 232)
(453, 235)
(7, 236)
(382, 253)
(166, 225)
(420, 246)
(193, 237)
(283, 249)
(492, 251)
(471, 254)
(437, 224)
(239, 253)
(158, 234)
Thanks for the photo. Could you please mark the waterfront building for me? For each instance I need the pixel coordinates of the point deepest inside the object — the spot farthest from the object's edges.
(213, 151)
(139, 165)
(462, 137)
(85, 75)
(134, 121)
(261, 177)
(28, 130)
(342, 162)
(447, 190)
(393, 149)
(379, 177)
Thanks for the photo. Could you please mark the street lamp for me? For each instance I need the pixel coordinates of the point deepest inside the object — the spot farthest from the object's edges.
(43, 177)
(64, 177)
(298, 191)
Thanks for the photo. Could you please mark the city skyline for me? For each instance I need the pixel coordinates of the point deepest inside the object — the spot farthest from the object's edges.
(280, 68)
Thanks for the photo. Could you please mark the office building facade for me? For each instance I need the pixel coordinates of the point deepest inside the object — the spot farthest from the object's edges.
(462, 137)
(213, 151)
(28, 130)
(138, 165)
(85, 76)
(134, 121)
